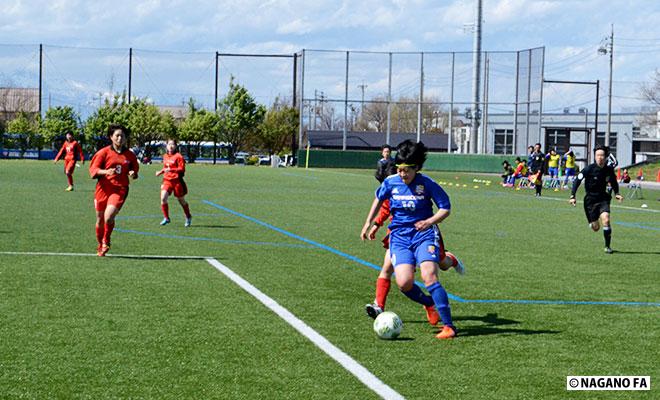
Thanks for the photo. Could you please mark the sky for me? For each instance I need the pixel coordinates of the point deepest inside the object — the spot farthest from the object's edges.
(86, 44)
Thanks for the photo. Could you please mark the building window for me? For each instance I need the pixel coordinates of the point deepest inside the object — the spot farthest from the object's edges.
(503, 141)
(600, 140)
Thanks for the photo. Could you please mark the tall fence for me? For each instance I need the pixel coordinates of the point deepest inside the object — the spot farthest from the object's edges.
(347, 92)
(338, 92)
(84, 77)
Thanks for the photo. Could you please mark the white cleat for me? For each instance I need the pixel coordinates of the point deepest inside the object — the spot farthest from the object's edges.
(188, 222)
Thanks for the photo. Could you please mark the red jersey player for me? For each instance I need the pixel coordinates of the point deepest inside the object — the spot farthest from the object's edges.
(111, 166)
(71, 148)
(174, 167)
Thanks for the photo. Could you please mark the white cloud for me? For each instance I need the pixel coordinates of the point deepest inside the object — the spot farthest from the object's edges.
(297, 26)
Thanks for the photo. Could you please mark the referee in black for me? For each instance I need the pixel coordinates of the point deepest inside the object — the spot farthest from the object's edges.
(596, 177)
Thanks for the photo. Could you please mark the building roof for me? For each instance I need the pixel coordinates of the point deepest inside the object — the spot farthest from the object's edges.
(373, 140)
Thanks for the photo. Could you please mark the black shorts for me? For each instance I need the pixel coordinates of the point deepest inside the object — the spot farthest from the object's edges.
(594, 207)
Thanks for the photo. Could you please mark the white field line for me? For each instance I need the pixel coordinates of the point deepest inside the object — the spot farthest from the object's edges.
(38, 253)
(352, 366)
(346, 361)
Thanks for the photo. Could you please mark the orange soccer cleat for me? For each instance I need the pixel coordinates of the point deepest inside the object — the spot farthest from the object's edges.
(447, 332)
(432, 315)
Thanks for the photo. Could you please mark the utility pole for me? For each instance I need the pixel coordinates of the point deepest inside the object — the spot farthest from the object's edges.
(609, 96)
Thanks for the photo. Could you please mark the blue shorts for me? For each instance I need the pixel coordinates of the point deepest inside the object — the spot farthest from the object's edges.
(409, 246)
(570, 172)
(553, 171)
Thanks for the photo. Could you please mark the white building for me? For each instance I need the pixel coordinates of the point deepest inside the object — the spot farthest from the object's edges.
(632, 137)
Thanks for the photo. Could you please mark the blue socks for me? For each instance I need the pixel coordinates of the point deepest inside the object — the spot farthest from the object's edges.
(439, 295)
(415, 294)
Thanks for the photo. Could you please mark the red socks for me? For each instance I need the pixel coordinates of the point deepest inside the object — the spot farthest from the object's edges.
(166, 210)
(454, 260)
(382, 289)
(109, 226)
(99, 233)
(186, 210)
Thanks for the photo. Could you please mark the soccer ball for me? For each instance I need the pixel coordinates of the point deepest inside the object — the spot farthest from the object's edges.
(388, 325)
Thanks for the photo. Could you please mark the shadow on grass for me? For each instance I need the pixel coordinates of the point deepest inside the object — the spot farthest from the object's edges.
(491, 324)
(634, 252)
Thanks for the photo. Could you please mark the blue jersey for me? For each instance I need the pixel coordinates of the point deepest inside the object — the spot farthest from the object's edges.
(412, 203)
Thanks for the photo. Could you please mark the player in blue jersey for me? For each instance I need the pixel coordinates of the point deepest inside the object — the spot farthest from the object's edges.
(415, 239)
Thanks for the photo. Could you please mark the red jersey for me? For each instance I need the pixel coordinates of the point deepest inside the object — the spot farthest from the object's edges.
(108, 158)
(176, 164)
(383, 213)
(71, 148)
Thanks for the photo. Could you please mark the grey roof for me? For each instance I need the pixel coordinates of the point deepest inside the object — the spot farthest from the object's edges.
(373, 140)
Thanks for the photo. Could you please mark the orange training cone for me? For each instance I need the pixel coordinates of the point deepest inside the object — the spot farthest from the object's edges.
(618, 174)
(657, 179)
(640, 174)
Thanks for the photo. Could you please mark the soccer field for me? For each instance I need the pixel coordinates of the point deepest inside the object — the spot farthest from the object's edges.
(540, 300)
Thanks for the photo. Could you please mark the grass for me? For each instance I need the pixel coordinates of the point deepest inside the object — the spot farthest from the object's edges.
(86, 327)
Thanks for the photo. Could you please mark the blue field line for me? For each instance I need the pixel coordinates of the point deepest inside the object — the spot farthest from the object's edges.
(451, 296)
(636, 225)
(204, 239)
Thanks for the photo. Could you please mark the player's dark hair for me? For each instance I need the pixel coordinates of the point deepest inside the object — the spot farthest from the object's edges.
(518, 159)
(411, 153)
(176, 143)
(113, 127)
(385, 146)
(604, 148)
(505, 162)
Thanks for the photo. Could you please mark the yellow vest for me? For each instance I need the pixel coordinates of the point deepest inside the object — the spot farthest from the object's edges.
(570, 161)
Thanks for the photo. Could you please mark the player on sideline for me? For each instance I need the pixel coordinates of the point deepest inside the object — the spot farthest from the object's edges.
(596, 176)
(415, 239)
(111, 166)
(71, 148)
(174, 168)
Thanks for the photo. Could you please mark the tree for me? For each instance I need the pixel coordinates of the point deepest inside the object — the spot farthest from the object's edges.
(651, 91)
(111, 112)
(25, 128)
(277, 128)
(146, 124)
(199, 125)
(240, 117)
(59, 121)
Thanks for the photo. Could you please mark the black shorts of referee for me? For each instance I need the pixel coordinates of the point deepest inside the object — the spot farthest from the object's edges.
(594, 206)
